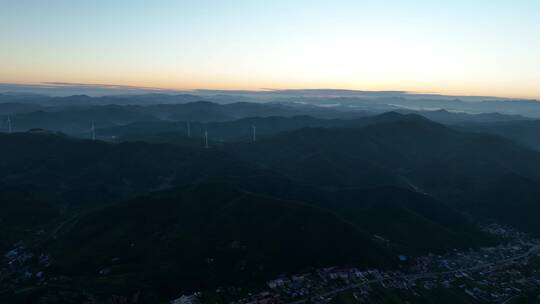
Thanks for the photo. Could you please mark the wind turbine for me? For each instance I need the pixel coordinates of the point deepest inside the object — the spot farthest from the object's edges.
(206, 139)
(93, 131)
(10, 130)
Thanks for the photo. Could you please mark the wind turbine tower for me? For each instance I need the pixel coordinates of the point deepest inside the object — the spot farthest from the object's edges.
(254, 132)
(10, 130)
(188, 129)
(206, 139)
(93, 131)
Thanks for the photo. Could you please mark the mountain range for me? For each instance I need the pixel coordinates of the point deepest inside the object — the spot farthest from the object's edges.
(148, 210)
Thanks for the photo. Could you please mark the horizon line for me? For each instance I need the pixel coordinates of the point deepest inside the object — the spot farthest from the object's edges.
(50, 85)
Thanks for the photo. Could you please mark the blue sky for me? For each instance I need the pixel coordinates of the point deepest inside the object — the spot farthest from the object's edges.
(453, 47)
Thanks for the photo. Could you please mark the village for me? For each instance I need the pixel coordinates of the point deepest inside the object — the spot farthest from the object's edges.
(487, 275)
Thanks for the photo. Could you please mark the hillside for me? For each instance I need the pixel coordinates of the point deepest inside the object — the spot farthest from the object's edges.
(455, 167)
(81, 173)
(523, 132)
(209, 235)
(413, 222)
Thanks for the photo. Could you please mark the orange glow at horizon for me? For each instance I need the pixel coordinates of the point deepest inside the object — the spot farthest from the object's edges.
(151, 84)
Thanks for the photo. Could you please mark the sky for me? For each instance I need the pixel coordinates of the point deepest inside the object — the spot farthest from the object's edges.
(473, 47)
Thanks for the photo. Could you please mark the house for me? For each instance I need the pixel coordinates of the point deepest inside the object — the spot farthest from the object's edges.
(189, 299)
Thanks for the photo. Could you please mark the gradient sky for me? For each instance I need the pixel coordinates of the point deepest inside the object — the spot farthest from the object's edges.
(473, 47)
